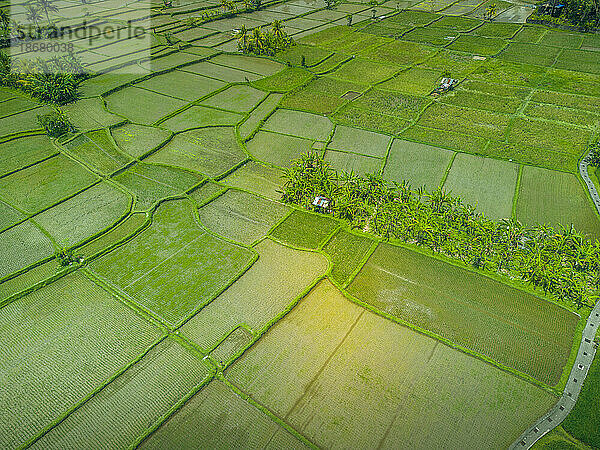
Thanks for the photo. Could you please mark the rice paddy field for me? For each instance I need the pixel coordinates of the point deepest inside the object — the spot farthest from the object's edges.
(155, 292)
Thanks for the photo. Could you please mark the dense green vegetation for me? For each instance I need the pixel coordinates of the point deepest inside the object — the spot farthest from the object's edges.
(560, 262)
(584, 420)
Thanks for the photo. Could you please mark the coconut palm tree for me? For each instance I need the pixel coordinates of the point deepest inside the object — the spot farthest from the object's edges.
(243, 42)
(46, 6)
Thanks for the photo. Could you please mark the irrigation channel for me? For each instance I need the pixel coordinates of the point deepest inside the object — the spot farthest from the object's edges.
(585, 356)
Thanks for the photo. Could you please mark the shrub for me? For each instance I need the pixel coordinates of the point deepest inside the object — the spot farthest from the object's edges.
(56, 123)
(594, 157)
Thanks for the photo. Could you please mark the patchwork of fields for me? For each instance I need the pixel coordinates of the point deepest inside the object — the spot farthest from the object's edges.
(205, 313)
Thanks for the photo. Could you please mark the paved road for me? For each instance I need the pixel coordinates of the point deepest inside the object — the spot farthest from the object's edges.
(585, 356)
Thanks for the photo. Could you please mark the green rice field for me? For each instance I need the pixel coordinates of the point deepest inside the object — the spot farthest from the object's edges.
(158, 289)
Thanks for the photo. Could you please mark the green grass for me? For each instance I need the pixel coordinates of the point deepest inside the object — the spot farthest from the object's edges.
(241, 216)
(530, 154)
(418, 164)
(558, 439)
(550, 135)
(137, 140)
(386, 29)
(142, 106)
(21, 246)
(476, 312)
(262, 66)
(346, 251)
(591, 104)
(445, 139)
(97, 150)
(84, 215)
(343, 361)
(306, 125)
(153, 386)
(258, 115)
(476, 100)
(211, 151)
(503, 72)
(360, 70)
(398, 53)
(591, 42)
(414, 81)
(359, 164)
(330, 63)
(217, 417)
(9, 216)
(151, 183)
(462, 24)
(123, 230)
(561, 114)
(55, 329)
(29, 278)
(312, 55)
(305, 230)
(24, 121)
(364, 118)
(561, 39)
(173, 242)
(478, 45)
(355, 43)
(458, 64)
(549, 197)
(359, 141)
(257, 178)
(503, 30)
(277, 149)
(326, 35)
(495, 89)
(572, 82)
(481, 123)
(321, 96)
(583, 422)
(530, 34)
(236, 98)
(268, 288)
(431, 36)
(90, 114)
(21, 152)
(201, 116)
(284, 81)
(530, 54)
(40, 186)
(487, 183)
(223, 73)
(412, 18)
(579, 60)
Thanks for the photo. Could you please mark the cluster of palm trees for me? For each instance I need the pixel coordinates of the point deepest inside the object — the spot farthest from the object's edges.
(54, 80)
(264, 43)
(561, 262)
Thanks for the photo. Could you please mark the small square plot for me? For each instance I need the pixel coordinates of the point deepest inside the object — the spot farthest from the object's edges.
(360, 141)
(351, 95)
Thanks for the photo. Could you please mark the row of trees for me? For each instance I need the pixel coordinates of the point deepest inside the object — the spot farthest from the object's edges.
(264, 43)
(560, 262)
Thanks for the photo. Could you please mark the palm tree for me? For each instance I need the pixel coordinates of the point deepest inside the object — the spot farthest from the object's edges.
(243, 39)
(278, 32)
(491, 11)
(46, 6)
(257, 40)
(32, 13)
